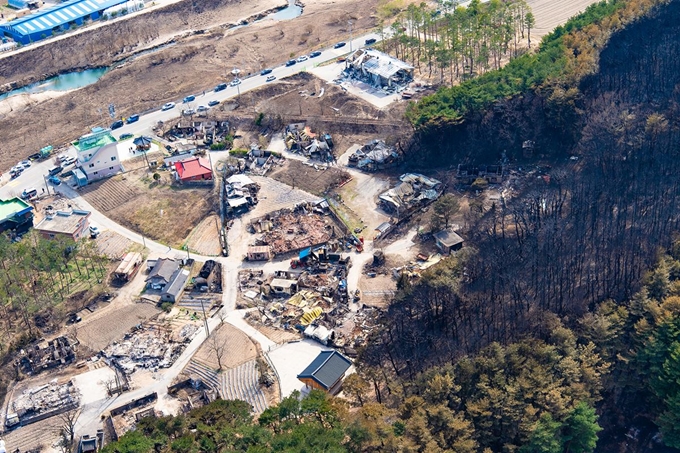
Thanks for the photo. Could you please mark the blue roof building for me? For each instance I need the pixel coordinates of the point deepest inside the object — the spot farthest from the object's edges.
(326, 372)
(48, 21)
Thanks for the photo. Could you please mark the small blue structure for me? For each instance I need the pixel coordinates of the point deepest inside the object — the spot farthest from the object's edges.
(45, 23)
(79, 177)
(18, 4)
(305, 254)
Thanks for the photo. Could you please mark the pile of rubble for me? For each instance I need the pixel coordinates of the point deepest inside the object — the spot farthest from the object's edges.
(300, 139)
(39, 401)
(44, 355)
(291, 230)
(148, 347)
(240, 193)
(374, 156)
(413, 192)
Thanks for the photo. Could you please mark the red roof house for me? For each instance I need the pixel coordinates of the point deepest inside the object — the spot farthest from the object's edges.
(193, 169)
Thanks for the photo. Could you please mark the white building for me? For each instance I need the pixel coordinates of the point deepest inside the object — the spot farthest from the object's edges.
(379, 68)
(98, 155)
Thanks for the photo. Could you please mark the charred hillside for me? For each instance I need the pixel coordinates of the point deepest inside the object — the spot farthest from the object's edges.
(565, 245)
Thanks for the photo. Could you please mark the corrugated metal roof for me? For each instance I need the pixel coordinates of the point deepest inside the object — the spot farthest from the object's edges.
(60, 14)
(327, 369)
(383, 65)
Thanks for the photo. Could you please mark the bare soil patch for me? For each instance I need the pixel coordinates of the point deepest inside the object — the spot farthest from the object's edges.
(101, 332)
(113, 245)
(237, 346)
(162, 212)
(204, 239)
(315, 179)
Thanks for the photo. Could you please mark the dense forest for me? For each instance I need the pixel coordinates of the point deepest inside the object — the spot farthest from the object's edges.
(459, 43)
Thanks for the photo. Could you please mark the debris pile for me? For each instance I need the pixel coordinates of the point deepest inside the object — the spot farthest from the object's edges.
(291, 230)
(240, 193)
(467, 174)
(147, 347)
(300, 139)
(413, 192)
(379, 69)
(209, 278)
(374, 156)
(45, 355)
(50, 398)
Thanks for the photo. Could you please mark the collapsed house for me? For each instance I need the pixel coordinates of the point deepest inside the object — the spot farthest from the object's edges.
(300, 139)
(290, 230)
(39, 403)
(45, 355)
(240, 193)
(148, 347)
(374, 156)
(467, 174)
(379, 69)
(413, 192)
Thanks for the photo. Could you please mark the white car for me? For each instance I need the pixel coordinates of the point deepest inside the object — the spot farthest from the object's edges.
(188, 112)
(302, 58)
(168, 106)
(202, 108)
(69, 161)
(235, 82)
(25, 163)
(94, 231)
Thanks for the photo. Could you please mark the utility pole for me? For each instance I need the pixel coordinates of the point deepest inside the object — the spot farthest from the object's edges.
(350, 34)
(205, 321)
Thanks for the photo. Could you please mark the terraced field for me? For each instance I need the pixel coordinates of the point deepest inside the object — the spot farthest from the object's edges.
(109, 194)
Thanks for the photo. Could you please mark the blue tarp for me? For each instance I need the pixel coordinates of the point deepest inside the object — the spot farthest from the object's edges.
(304, 254)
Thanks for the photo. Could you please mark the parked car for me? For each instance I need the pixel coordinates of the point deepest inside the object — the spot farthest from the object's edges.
(202, 108)
(290, 62)
(220, 87)
(339, 45)
(55, 170)
(27, 194)
(235, 82)
(302, 58)
(132, 118)
(117, 124)
(68, 161)
(168, 106)
(370, 41)
(271, 78)
(54, 179)
(316, 53)
(15, 172)
(125, 136)
(94, 232)
(188, 112)
(213, 103)
(265, 71)
(25, 163)
(189, 98)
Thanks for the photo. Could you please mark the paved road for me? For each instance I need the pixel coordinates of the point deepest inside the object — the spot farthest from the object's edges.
(146, 122)
(33, 177)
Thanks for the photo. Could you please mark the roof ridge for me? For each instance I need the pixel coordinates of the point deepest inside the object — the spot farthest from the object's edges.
(332, 352)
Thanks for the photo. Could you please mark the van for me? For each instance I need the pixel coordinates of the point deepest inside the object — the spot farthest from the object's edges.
(27, 194)
(55, 170)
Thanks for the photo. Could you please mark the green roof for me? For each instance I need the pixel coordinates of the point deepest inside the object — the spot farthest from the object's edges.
(99, 137)
(9, 208)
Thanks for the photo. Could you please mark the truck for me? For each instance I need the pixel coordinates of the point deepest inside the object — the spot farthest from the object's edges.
(43, 154)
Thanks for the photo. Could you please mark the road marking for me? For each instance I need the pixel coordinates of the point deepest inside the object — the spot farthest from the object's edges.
(13, 183)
